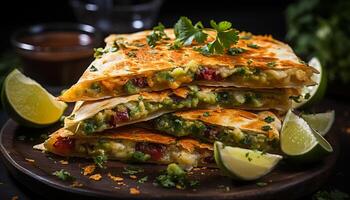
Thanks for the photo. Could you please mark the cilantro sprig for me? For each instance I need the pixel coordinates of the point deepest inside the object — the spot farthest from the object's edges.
(186, 32)
(225, 37)
(156, 35)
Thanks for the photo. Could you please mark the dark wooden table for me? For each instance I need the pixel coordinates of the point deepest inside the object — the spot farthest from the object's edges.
(10, 188)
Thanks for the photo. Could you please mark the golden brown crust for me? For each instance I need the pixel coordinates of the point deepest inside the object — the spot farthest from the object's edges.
(117, 67)
(234, 118)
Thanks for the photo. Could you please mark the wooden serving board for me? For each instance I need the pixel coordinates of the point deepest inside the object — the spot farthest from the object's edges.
(285, 182)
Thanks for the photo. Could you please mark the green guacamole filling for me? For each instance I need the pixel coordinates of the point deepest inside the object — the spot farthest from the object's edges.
(179, 127)
(142, 108)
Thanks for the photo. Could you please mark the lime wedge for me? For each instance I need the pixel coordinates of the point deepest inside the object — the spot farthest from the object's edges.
(28, 103)
(244, 164)
(300, 142)
(321, 122)
(313, 94)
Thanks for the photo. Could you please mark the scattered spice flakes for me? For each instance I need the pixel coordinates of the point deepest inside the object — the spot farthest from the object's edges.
(115, 178)
(133, 177)
(95, 177)
(87, 170)
(29, 160)
(64, 162)
(76, 184)
(134, 191)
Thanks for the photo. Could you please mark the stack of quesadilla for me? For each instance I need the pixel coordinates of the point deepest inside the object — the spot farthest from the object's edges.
(142, 103)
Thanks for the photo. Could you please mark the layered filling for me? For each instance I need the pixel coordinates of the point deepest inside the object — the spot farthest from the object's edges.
(136, 110)
(239, 76)
(133, 151)
(180, 127)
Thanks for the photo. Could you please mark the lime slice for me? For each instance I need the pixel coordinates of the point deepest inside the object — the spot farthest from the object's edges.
(313, 94)
(321, 122)
(28, 103)
(300, 142)
(244, 164)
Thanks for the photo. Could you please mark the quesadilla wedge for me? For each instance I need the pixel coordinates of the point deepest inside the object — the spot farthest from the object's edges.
(231, 126)
(90, 117)
(128, 65)
(130, 145)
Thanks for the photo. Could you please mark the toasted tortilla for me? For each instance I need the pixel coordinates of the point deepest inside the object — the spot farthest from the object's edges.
(86, 110)
(116, 68)
(234, 118)
(125, 134)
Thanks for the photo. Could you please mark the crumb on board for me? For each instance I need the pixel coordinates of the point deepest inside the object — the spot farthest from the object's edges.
(133, 177)
(115, 178)
(134, 191)
(95, 177)
(87, 170)
(64, 162)
(29, 160)
(76, 184)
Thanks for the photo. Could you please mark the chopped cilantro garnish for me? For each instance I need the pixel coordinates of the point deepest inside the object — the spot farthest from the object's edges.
(63, 175)
(269, 119)
(93, 69)
(175, 176)
(185, 32)
(261, 184)
(249, 61)
(271, 64)
(131, 170)
(254, 46)
(266, 128)
(206, 114)
(143, 179)
(235, 51)
(156, 35)
(100, 160)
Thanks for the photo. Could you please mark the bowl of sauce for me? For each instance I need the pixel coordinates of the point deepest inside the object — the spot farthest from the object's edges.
(56, 54)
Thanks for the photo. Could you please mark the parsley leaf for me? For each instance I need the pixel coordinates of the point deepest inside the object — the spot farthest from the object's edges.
(266, 128)
(139, 156)
(131, 170)
(225, 37)
(100, 160)
(206, 114)
(156, 35)
(63, 175)
(143, 179)
(269, 119)
(185, 32)
(235, 51)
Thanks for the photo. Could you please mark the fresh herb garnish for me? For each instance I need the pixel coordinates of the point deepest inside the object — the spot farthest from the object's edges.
(249, 61)
(100, 51)
(269, 119)
(156, 35)
(131, 170)
(266, 128)
(271, 64)
(143, 179)
(206, 114)
(185, 32)
(93, 69)
(100, 160)
(175, 176)
(254, 46)
(63, 175)
(235, 51)
(261, 184)
(247, 156)
(225, 37)
(247, 36)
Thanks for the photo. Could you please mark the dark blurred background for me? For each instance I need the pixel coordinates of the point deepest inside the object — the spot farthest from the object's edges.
(312, 27)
